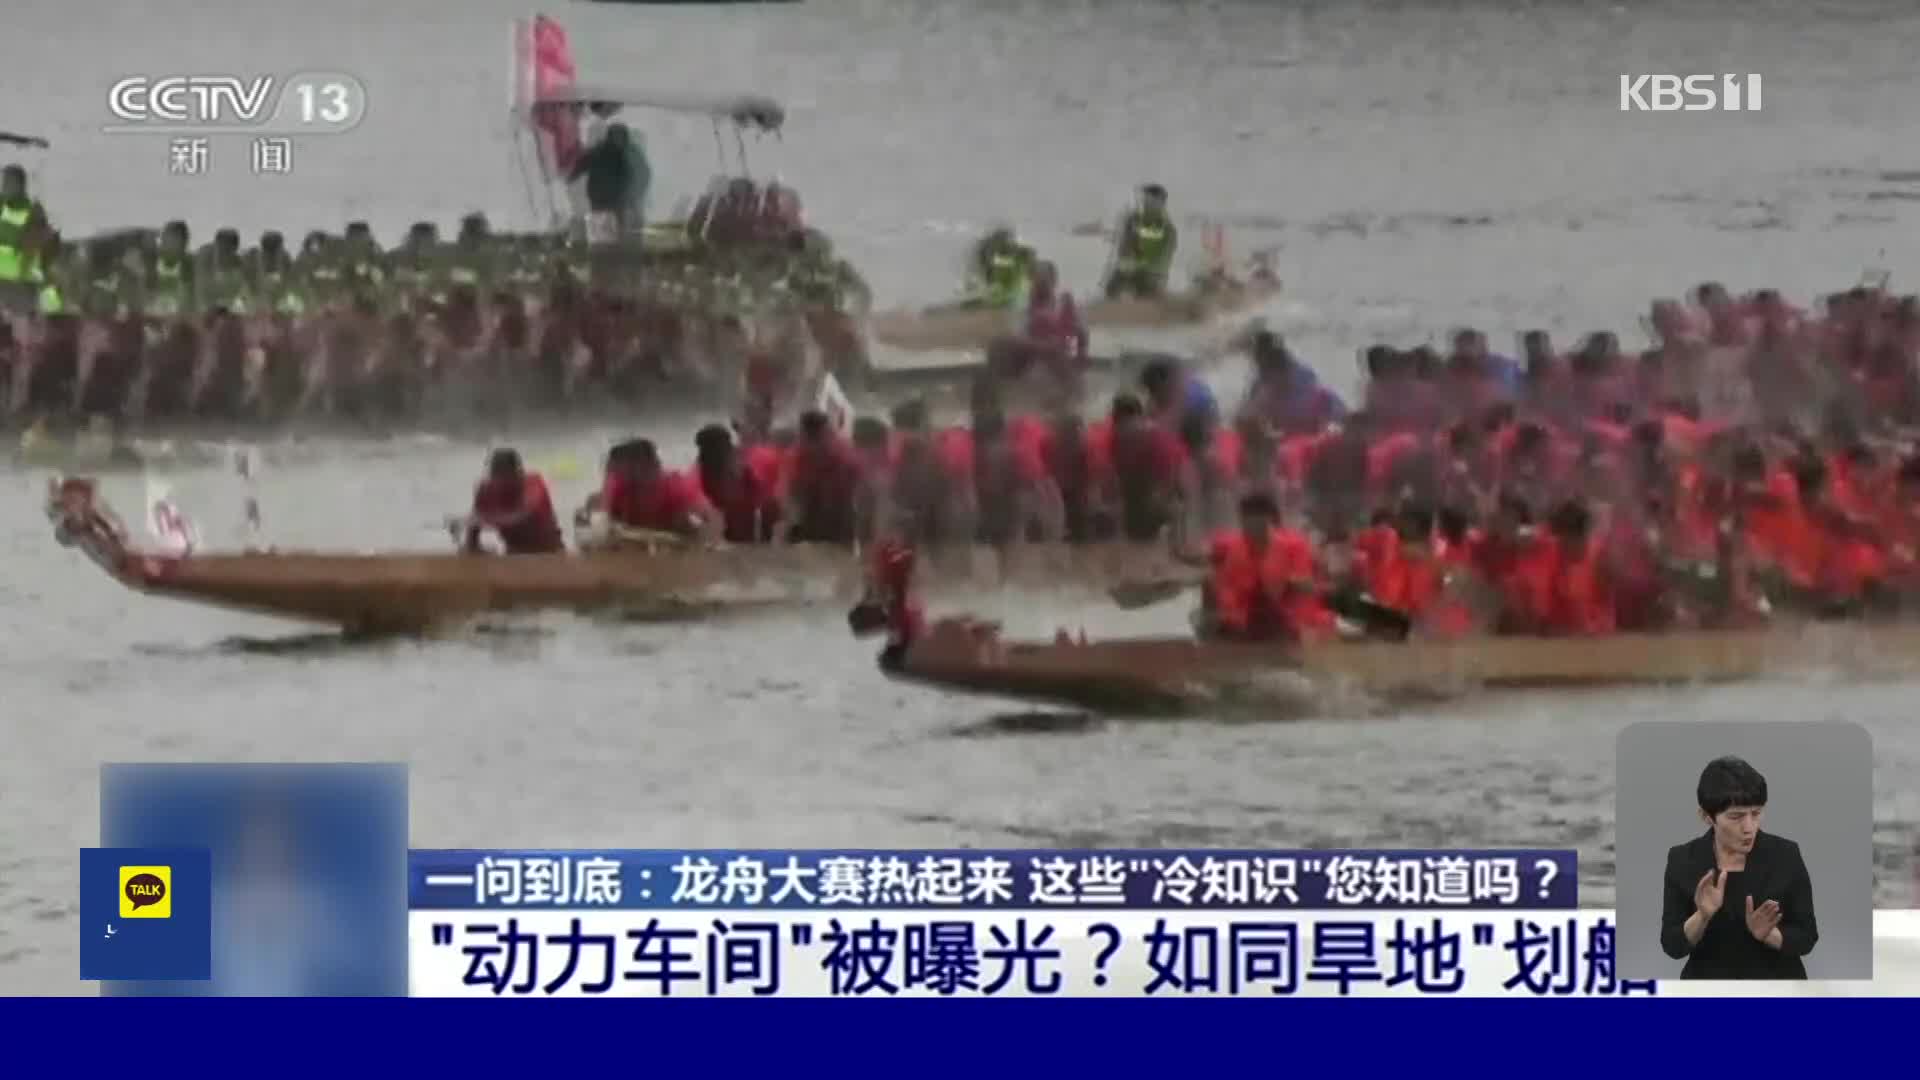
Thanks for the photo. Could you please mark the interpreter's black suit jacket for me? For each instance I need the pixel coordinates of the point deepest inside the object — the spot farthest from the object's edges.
(1728, 950)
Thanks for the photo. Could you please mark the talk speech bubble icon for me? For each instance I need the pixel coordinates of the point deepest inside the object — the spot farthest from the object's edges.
(144, 887)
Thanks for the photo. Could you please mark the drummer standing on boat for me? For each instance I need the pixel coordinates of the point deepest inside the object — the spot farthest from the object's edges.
(617, 176)
(1143, 257)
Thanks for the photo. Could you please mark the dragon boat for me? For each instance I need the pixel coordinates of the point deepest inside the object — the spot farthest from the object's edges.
(417, 592)
(958, 326)
(1173, 675)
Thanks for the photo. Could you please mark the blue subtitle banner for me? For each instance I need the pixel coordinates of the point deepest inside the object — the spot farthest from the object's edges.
(641, 880)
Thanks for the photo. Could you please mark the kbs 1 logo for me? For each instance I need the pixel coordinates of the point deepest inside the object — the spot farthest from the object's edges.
(146, 892)
(1689, 93)
(308, 103)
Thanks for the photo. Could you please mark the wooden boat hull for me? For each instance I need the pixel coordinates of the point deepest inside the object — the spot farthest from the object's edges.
(954, 327)
(1175, 674)
(406, 593)
(413, 593)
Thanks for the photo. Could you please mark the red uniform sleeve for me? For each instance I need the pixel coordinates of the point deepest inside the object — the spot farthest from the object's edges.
(1220, 548)
(1099, 443)
(683, 497)
(486, 500)
(1296, 455)
(535, 497)
(1382, 456)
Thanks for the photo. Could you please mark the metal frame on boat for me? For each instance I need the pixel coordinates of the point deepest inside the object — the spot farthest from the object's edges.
(744, 113)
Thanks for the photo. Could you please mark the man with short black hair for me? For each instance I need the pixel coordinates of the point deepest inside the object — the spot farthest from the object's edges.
(515, 504)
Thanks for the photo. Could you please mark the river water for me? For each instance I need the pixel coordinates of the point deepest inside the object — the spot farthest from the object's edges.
(1417, 165)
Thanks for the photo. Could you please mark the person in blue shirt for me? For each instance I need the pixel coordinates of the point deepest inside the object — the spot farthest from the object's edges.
(1470, 350)
(1286, 395)
(1176, 392)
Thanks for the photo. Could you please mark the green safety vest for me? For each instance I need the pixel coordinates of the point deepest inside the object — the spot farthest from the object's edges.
(1006, 277)
(228, 288)
(13, 225)
(527, 275)
(169, 293)
(103, 295)
(279, 292)
(51, 302)
(1149, 245)
(323, 279)
(366, 272)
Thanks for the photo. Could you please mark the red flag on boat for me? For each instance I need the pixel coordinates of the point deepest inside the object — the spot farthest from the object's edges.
(544, 68)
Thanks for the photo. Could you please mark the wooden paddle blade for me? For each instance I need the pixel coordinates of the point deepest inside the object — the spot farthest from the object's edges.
(1378, 619)
(1133, 595)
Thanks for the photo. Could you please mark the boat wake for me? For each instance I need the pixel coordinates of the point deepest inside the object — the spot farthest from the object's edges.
(316, 645)
(1034, 722)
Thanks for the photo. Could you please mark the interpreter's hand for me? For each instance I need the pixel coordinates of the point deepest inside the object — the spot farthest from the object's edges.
(1762, 920)
(1710, 893)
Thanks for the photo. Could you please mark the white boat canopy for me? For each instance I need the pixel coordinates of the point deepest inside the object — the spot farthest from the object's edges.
(746, 111)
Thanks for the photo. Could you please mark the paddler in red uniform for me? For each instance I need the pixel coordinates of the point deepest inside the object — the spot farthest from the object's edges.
(1136, 464)
(822, 480)
(1210, 472)
(638, 493)
(932, 489)
(516, 505)
(890, 603)
(748, 506)
(1582, 600)
(1395, 563)
(1515, 564)
(1017, 498)
(1262, 586)
(1054, 333)
(872, 448)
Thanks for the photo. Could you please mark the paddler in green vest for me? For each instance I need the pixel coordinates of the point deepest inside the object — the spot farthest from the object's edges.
(276, 285)
(1144, 255)
(108, 291)
(526, 266)
(574, 257)
(471, 265)
(819, 279)
(418, 272)
(223, 273)
(170, 281)
(319, 266)
(1001, 267)
(20, 216)
(364, 264)
(52, 264)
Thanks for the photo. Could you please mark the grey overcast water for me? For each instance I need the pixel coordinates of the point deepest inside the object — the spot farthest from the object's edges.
(1418, 165)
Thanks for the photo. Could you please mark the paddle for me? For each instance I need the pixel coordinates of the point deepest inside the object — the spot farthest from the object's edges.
(1375, 618)
(34, 141)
